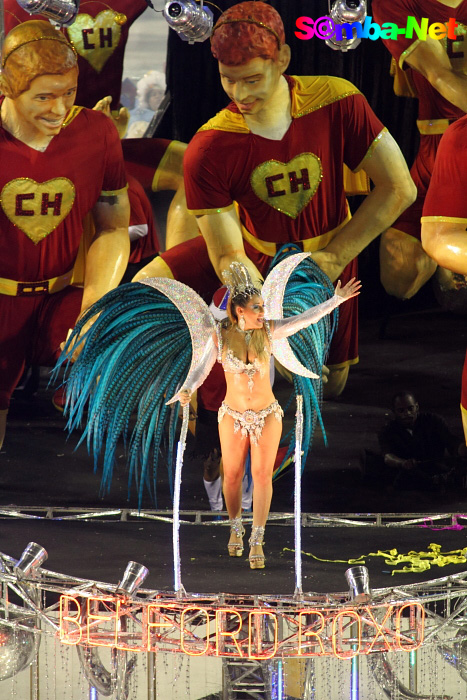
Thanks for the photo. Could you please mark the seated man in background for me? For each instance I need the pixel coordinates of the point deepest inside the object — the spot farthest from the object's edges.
(419, 451)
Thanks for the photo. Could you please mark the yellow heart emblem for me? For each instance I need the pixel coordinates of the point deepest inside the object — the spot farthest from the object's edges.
(95, 38)
(288, 187)
(37, 208)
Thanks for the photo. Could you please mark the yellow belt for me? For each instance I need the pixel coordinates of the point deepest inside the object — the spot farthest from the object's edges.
(13, 288)
(428, 127)
(308, 245)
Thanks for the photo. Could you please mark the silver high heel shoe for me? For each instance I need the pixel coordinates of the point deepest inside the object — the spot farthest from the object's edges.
(256, 540)
(236, 527)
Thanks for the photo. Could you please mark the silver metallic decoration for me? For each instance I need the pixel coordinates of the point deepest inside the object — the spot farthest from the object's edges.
(192, 21)
(456, 654)
(237, 279)
(176, 507)
(18, 644)
(359, 584)
(391, 685)
(346, 12)
(31, 559)
(132, 579)
(61, 12)
(273, 296)
(196, 313)
(107, 682)
(298, 495)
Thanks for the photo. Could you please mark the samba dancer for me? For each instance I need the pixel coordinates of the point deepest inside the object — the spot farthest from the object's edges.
(243, 344)
(139, 349)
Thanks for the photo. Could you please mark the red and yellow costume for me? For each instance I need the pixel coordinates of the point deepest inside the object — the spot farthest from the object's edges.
(146, 158)
(435, 113)
(291, 190)
(445, 200)
(44, 197)
(99, 41)
(142, 230)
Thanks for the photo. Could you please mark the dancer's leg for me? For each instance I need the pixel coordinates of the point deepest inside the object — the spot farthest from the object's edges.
(234, 448)
(263, 456)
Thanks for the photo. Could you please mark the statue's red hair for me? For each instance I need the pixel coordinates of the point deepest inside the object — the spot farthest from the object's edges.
(245, 31)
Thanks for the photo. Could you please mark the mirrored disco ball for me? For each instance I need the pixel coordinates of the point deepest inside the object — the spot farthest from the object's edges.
(17, 646)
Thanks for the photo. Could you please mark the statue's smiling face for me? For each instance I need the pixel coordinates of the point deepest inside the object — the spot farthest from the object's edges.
(42, 109)
(252, 85)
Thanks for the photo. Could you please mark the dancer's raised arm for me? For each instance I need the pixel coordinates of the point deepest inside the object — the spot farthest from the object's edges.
(288, 326)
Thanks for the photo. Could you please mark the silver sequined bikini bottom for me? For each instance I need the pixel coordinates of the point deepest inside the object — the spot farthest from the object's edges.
(250, 422)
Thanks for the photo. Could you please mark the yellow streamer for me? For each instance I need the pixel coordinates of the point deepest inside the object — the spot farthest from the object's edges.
(419, 561)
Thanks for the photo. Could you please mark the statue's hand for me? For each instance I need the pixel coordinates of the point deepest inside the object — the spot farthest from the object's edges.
(119, 117)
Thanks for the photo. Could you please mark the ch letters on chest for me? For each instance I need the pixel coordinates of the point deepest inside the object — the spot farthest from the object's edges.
(37, 208)
(95, 38)
(288, 187)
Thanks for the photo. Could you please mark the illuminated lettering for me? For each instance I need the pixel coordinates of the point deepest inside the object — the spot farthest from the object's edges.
(67, 636)
(256, 619)
(222, 635)
(310, 633)
(122, 616)
(217, 631)
(95, 618)
(188, 650)
(379, 629)
(418, 631)
(338, 635)
(166, 622)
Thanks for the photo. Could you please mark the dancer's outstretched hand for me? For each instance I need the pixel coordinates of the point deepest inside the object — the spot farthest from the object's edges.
(351, 289)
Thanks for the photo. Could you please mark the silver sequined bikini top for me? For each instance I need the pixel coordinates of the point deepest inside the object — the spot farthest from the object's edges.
(234, 365)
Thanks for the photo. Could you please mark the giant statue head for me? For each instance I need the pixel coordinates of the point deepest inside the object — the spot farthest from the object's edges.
(33, 49)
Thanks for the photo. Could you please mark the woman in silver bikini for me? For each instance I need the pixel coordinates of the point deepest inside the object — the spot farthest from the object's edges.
(250, 418)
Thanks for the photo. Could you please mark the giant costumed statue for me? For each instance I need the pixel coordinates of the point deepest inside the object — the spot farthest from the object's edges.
(269, 169)
(435, 72)
(64, 162)
(444, 221)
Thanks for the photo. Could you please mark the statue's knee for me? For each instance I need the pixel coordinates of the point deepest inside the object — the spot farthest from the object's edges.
(337, 379)
(404, 265)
